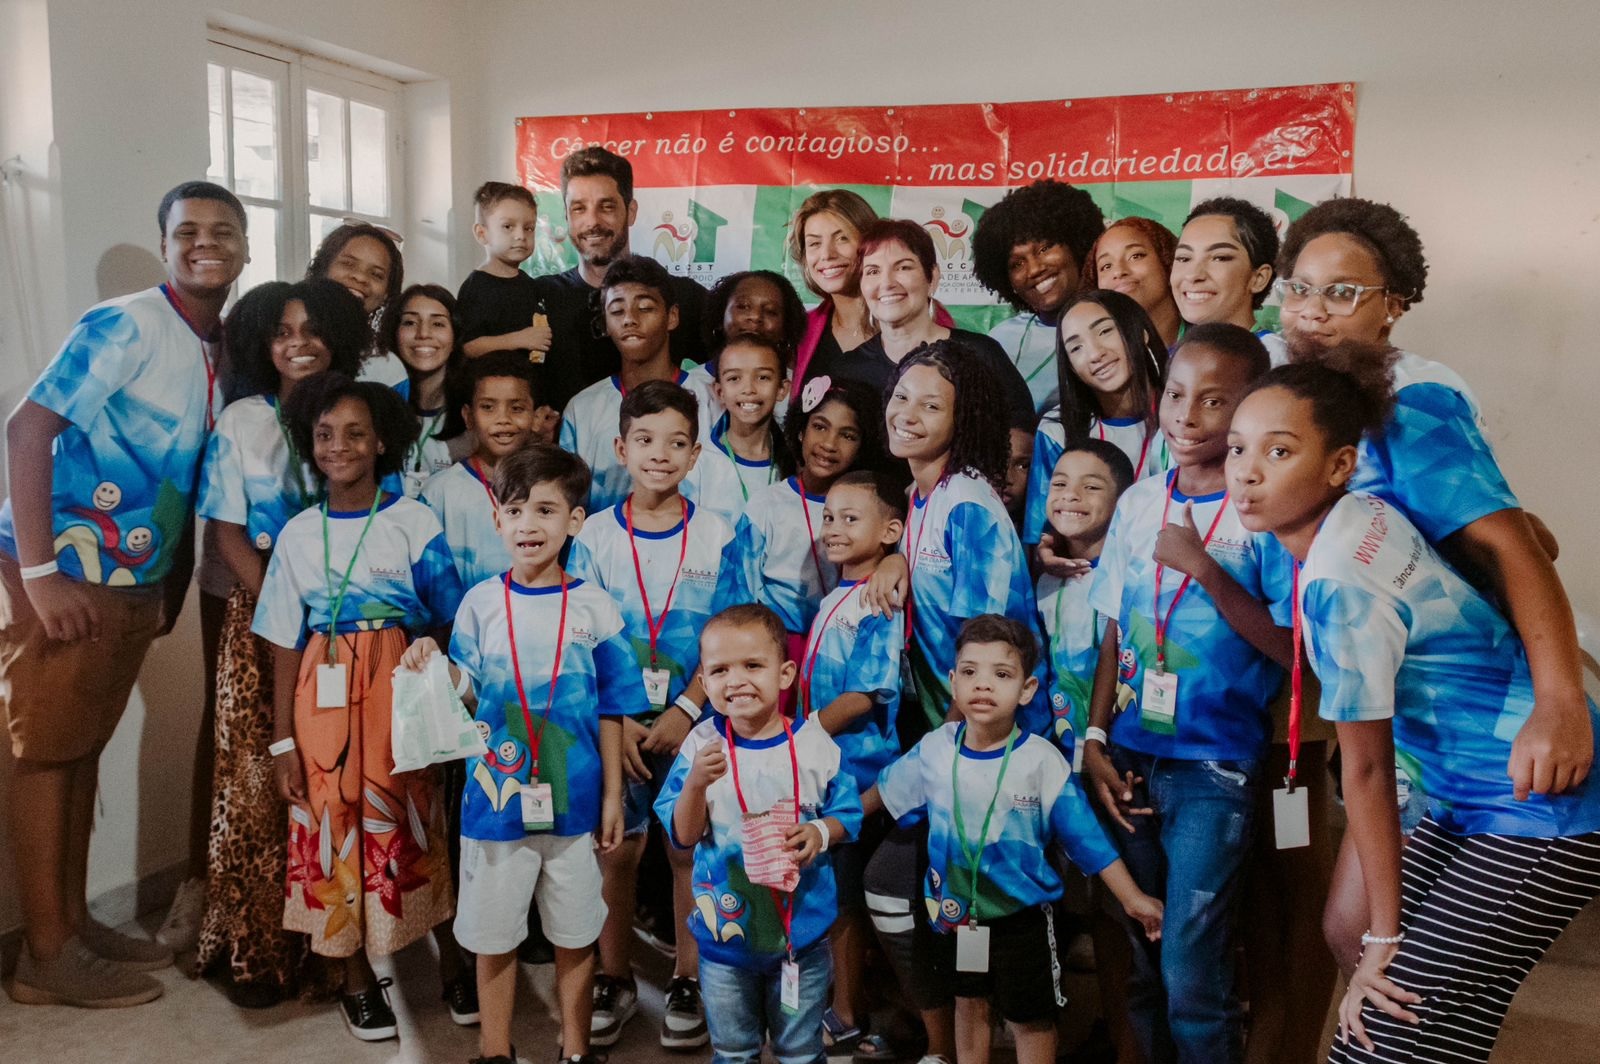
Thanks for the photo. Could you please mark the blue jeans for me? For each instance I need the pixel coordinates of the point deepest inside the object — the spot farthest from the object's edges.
(744, 1009)
(1189, 852)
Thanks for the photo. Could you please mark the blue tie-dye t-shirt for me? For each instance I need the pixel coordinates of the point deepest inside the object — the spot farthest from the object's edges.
(1225, 685)
(852, 648)
(133, 383)
(403, 575)
(965, 560)
(591, 424)
(1393, 633)
(252, 477)
(462, 502)
(1030, 342)
(777, 553)
(1036, 803)
(597, 679)
(1073, 630)
(734, 921)
(603, 553)
(1432, 459)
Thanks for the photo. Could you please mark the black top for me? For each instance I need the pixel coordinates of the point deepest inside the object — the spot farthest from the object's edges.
(581, 352)
(493, 306)
(869, 363)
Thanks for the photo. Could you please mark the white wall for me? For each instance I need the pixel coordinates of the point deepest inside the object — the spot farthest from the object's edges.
(1478, 119)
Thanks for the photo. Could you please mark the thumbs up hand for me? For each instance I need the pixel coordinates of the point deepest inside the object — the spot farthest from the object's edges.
(1179, 546)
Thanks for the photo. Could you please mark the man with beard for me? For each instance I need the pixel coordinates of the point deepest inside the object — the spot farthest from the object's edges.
(597, 192)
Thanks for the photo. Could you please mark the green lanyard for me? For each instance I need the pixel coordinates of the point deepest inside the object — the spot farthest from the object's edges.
(1022, 346)
(975, 856)
(1061, 598)
(344, 585)
(296, 466)
(428, 428)
(728, 450)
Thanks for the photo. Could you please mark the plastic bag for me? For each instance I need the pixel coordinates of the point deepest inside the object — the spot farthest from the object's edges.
(430, 725)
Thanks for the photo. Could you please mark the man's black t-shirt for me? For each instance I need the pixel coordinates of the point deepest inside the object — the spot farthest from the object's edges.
(582, 353)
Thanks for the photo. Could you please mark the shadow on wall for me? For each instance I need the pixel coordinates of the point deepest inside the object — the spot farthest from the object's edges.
(127, 268)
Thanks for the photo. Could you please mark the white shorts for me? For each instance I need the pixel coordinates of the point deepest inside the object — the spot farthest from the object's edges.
(499, 880)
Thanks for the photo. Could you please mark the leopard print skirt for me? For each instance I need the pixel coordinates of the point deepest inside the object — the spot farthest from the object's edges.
(247, 851)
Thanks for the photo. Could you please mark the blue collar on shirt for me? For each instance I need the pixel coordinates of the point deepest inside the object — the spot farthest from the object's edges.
(1178, 496)
(794, 486)
(622, 522)
(984, 755)
(1120, 422)
(720, 430)
(758, 744)
(553, 589)
(345, 514)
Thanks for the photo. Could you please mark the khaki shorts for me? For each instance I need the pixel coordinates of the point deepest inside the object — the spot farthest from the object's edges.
(62, 701)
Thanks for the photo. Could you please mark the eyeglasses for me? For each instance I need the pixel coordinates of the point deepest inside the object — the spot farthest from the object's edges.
(1340, 297)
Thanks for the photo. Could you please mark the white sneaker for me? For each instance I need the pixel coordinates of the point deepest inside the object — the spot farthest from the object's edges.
(180, 931)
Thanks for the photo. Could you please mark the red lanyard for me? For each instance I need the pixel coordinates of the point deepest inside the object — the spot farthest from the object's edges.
(205, 356)
(1144, 448)
(916, 547)
(483, 478)
(784, 902)
(1294, 685)
(812, 647)
(1155, 604)
(811, 535)
(655, 624)
(536, 737)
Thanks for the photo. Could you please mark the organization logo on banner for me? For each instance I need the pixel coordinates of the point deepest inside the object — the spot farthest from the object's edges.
(703, 233)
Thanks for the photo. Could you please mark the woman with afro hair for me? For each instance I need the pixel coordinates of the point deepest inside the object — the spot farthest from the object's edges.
(1030, 249)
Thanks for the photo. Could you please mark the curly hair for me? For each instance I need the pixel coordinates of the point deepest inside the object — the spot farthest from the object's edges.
(335, 242)
(1253, 226)
(1049, 212)
(1146, 354)
(843, 204)
(333, 315)
(392, 420)
(389, 340)
(722, 293)
(1161, 240)
(860, 400)
(980, 443)
(1350, 388)
(1380, 228)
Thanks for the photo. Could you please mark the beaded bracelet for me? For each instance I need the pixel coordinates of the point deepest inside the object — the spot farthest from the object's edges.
(1369, 939)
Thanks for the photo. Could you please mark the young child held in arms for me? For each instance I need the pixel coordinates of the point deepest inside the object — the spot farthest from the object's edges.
(660, 557)
(499, 410)
(850, 682)
(640, 315)
(549, 791)
(990, 880)
(761, 804)
(1199, 651)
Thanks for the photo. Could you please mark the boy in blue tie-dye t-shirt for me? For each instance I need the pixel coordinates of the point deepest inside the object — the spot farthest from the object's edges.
(995, 798)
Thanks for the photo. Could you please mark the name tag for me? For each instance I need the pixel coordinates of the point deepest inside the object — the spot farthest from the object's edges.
(972, 948)
(656, 682)
(789, 986)
(1077, 755)
(1291, 818)
(1158, 705)
(331, 687)
(538, 807)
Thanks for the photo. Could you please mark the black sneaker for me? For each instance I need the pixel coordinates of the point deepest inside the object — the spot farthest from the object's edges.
(683, 1025)
(615, 1002)
(368, 1014)
(512, 1059)
(587, 1058)
(461, 996)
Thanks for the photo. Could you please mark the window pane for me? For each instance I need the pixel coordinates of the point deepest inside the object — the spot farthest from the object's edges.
(263, 264)
(369, 159)
(255, 135)
(321, 226)
(325, 162)
(217, 168)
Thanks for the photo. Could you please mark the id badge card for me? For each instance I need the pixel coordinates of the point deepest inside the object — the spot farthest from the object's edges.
(538, 807)
(331, 687)
(789, 986)
(413, 482)
(1077, 755)
(1291, 818)
(1158, 705)
(655, 687)
(972, 948)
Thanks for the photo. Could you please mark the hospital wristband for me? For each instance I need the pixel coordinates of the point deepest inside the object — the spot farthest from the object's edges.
(34, 572)
(685, 703)
(281, 747)
(822, 829)
(1096, 735)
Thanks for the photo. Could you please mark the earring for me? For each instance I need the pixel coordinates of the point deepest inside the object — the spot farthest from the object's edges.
(1389, 320)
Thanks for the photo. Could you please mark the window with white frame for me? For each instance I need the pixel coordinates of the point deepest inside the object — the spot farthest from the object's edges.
(305, 144)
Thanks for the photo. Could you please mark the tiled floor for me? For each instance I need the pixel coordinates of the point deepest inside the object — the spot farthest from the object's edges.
(1555, 1020)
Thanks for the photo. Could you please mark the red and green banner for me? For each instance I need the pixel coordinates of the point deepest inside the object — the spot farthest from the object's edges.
(716, 189)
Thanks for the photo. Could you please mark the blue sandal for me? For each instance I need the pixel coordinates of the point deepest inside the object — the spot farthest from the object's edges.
(874, 1049)
(839, 1038)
